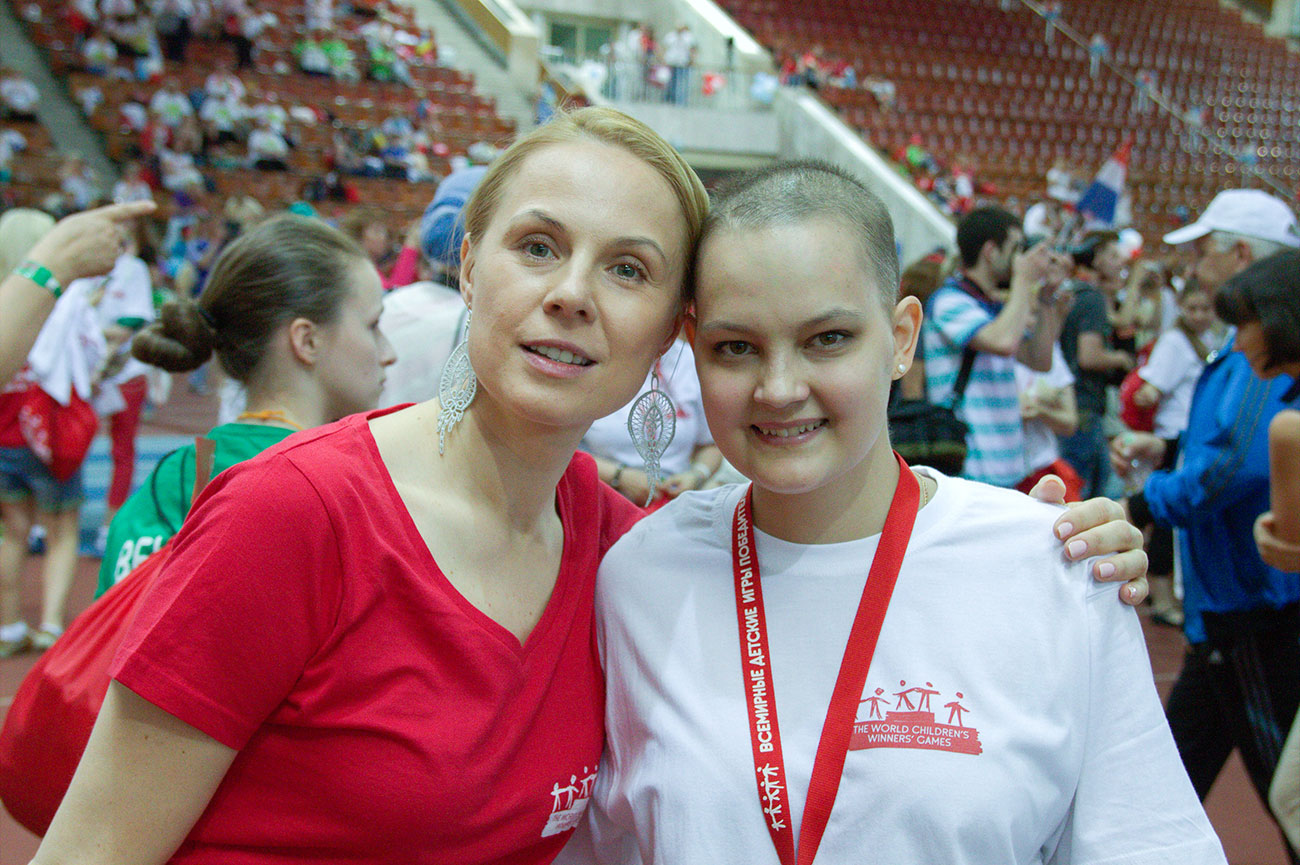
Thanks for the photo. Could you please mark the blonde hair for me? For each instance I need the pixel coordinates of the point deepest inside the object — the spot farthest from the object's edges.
(20, 229)
(605, 125)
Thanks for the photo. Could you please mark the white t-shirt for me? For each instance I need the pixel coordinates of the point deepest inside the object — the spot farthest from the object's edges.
(676, 47)
(171, 107)
(1173, 368)
(224, 85)
(20, 94)
(1035, 732)
(267, 144)
(608, 437)
(1042, 448)
(70, 345)
(422, 321)
(128, 293)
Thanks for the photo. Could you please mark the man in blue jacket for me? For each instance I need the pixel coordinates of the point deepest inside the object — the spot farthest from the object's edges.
(1240, 682)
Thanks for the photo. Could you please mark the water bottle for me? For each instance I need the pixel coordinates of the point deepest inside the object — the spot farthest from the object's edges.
(1139, 468)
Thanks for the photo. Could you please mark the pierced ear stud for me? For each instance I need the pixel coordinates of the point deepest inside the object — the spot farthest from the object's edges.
(902, 368)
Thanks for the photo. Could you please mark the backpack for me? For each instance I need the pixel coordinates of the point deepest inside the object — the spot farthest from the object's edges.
(55, 707)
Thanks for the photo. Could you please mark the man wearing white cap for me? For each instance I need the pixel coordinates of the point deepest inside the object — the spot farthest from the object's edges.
(1240, 226)
(1239, 686)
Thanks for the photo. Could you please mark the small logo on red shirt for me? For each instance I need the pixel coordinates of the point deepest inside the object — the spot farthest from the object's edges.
(911, 723)
(570, 800)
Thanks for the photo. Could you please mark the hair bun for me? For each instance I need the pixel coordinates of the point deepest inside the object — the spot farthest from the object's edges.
(182, 339)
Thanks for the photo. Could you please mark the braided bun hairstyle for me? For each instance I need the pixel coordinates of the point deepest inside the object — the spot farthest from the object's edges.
(284, 268)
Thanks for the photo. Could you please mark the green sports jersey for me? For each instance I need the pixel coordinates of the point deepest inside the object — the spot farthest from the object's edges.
(155, 511)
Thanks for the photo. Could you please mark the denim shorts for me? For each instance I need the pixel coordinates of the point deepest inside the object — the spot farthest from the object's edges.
(23, 476)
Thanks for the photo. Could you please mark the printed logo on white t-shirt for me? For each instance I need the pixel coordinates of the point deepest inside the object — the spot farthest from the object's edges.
(569, 801)
(911, 723)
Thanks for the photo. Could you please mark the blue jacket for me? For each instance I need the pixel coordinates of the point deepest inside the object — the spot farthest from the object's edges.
(1218, 489)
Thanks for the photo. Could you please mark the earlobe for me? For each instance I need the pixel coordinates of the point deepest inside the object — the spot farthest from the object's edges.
(672, 336)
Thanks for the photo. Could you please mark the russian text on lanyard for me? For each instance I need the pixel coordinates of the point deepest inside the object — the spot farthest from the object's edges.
(756, 669)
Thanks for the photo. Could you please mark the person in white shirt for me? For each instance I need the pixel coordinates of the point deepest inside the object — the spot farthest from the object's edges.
(12, 143)
(99, 53)
(132, 186)
(1176, 361)
(62, 361)
(1169, 379)
(170, 106)
(1048, 410)
(221, 116)
(19, 97)
(975, 730)
(267, 149)
(125, 307)
(678, 53)
(223, 83)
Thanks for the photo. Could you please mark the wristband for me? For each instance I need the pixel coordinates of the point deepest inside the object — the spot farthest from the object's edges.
(618, 473)
(40, 274)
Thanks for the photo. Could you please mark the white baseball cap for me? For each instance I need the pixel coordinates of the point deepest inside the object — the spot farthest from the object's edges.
(1248, 212)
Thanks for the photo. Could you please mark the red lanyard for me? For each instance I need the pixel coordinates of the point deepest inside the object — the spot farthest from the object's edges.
(764, 733)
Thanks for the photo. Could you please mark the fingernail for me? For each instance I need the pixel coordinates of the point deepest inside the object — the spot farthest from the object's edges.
(1064, 530)
(1076, 548)
(1131, 592)
(1106, 570)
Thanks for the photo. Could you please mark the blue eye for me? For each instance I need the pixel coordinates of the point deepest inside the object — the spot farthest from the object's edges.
(627, 270)
(537, 249)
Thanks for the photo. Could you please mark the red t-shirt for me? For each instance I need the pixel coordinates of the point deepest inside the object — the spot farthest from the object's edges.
(379, 715)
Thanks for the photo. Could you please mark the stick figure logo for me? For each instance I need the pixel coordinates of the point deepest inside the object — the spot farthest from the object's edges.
(911, 722)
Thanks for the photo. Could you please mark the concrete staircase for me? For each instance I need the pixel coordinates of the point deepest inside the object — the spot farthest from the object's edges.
(462, 45)
(57, 112)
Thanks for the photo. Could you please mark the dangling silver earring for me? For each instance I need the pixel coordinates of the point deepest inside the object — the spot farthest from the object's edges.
(456, 386)
(652, 423)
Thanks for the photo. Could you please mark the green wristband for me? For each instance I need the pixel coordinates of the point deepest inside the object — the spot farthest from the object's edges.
(40, 274)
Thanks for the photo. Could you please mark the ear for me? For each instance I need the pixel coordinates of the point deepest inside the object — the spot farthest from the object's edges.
(467, 271)
(989, 250)
(1245, 255)
(677, 328)
(305, 341)
(907, 330)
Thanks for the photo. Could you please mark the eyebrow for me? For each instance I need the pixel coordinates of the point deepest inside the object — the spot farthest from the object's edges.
(542, 216)
(836, 313)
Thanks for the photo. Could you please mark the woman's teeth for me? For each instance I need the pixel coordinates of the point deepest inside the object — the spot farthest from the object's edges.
(786, 432)
(561, 355)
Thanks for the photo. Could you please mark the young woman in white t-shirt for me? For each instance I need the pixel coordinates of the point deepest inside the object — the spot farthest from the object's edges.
(1002, 712)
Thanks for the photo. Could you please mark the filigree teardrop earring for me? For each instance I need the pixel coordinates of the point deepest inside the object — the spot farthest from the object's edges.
(652, 423)
(456, 386)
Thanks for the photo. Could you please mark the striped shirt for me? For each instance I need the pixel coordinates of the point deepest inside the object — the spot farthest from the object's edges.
(990, 407)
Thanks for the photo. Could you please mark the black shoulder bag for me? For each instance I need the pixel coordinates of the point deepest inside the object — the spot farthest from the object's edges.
(925, 434)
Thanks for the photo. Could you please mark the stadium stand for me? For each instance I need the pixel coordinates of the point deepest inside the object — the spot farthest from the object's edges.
(980, 78)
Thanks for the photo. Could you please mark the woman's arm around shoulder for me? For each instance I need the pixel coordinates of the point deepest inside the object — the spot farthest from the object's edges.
(143, 781)
(1099, 528)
